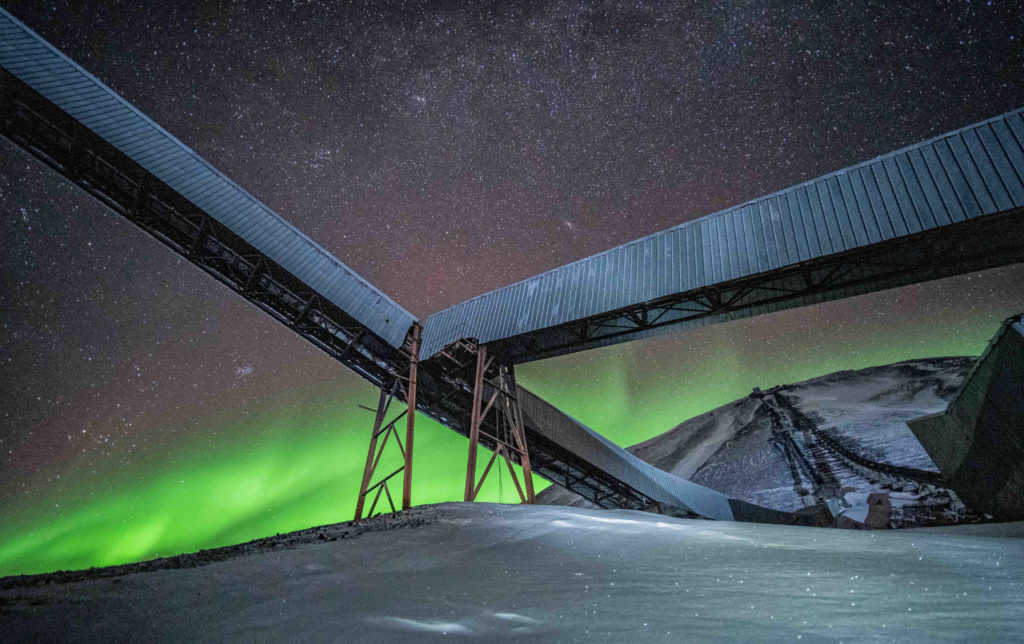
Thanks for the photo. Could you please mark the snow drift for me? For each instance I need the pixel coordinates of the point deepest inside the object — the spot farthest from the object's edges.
(506, 573)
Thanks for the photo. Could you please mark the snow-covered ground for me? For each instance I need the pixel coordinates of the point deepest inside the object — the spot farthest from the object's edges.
(549, 573)
(764, 448)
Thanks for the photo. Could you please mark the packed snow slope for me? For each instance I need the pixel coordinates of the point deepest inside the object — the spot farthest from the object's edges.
(776, 446)
(506, 573)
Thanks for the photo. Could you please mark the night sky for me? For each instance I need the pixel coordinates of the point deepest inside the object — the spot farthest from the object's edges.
(441, 150)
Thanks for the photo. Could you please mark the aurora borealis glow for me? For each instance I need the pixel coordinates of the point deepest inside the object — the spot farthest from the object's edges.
(149, 411)
(294, 460)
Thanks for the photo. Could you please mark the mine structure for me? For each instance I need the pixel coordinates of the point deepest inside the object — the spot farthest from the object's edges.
(943, 207)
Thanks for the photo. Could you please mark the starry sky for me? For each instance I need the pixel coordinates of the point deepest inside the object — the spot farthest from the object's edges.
(441, 150)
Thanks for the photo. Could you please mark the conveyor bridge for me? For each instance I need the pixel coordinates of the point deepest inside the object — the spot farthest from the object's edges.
(942, 207)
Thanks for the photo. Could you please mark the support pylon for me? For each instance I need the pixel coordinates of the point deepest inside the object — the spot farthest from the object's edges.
(410, 416)
(398, 389)
(500, 422)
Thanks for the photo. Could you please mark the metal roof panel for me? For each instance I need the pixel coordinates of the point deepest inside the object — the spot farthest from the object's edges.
(30, 58)
(1014, 158)
(992, 164)
(901, 193)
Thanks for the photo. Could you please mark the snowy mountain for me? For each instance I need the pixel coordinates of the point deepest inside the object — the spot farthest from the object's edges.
(842, 436)
(549, 574)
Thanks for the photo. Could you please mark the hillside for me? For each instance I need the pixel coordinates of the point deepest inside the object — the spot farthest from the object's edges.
(843, 434)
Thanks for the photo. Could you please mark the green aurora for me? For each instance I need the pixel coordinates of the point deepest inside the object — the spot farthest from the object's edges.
(295, 461)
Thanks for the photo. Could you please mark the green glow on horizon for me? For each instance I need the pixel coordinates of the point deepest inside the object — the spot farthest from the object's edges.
(216, 492)
(635, 391)
(296, 462)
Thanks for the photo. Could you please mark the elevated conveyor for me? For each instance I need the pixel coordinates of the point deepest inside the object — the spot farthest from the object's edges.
(78, 126)
(943, 207)
(69, 120)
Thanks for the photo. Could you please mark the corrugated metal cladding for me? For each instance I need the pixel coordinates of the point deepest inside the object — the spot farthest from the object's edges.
(654, 483)
(38, 64)
(974, 171)
(993, 390)
(978, 442)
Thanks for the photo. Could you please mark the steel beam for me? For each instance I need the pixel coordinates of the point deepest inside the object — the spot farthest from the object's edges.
(48, 133)
(371, 454)
(410, 417)
(400, 388)
(506, 422)
(977, 244)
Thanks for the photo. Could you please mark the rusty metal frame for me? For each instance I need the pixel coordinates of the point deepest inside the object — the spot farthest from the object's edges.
(402, 389)
(496, 383)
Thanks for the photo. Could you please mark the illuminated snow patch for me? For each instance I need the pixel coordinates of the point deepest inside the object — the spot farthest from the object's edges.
(516, 617)
(430, 626)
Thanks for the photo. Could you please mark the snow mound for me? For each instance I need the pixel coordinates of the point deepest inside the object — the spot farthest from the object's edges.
(505, 573)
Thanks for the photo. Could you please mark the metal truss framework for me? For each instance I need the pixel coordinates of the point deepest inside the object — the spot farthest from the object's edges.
(401, 389)
(387, 395)
(35, 125)
(497, 384)
(447, 383)
(974, 245)
(63, 144)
